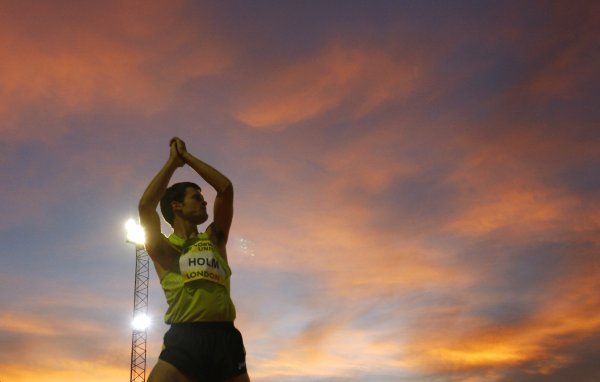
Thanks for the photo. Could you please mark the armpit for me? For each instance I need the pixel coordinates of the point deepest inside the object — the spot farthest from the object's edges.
(214, 233)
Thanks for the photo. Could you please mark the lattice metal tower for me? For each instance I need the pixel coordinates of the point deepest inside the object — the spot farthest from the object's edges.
(140, 309)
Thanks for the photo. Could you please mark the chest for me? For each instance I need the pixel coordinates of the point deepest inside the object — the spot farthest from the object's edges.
(207, 243)
(202, 261)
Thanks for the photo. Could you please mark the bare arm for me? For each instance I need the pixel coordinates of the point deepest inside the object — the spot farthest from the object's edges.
(223, 209)
(159, 249)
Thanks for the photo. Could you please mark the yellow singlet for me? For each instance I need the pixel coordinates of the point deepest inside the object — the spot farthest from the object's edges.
(200, 289)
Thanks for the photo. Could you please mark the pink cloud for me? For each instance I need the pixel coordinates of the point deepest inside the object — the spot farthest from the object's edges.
(503, 190)
(318, 84)
(565, 317)
(59, 345)
(322, 223)
(81, 58)
(503, 186)
(30, 325)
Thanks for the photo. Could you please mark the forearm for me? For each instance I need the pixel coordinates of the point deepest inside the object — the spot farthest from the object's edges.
(213, 177)
(157, 186)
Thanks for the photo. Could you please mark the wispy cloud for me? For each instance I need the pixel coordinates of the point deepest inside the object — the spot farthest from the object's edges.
(420, 205)
(80, 58)
(360, 79)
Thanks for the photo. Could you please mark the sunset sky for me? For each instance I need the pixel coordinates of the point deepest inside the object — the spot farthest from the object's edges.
(417, 193)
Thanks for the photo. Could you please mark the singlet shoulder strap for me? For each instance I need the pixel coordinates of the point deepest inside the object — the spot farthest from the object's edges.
(176, 240)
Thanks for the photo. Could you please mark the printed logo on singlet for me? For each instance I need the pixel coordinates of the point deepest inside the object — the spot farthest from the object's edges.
(200, 263)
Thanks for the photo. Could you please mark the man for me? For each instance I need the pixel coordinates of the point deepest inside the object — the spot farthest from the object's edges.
(202, 344)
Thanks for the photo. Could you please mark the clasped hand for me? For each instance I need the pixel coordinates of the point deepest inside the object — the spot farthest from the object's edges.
(177, 151)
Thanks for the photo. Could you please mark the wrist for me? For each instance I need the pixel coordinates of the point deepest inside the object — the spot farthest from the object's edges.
(186, 156)
(172, 163)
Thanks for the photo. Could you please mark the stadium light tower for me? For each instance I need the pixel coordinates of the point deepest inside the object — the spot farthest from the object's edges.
(141, 321)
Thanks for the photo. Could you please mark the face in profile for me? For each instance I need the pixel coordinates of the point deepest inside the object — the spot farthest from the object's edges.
(193, 207)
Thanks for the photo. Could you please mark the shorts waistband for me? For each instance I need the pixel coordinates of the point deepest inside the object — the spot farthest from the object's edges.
(204, 324)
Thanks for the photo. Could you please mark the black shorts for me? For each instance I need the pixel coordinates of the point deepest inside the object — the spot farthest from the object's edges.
(208, 351)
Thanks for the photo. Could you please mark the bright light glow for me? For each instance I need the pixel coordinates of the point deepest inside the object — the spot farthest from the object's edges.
(135, 232)
(141, 322)
(247, 246)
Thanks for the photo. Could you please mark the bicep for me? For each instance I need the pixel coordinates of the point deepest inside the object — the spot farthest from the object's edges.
(151, 223)
(223, 213)
(157, 245)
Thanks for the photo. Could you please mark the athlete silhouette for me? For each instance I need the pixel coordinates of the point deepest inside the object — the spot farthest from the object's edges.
(202, 344)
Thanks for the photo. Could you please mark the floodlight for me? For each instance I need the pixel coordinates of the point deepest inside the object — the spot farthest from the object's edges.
(141, 322)
(135, 232)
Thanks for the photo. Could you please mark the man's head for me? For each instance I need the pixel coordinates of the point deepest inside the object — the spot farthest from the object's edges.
(184, 200)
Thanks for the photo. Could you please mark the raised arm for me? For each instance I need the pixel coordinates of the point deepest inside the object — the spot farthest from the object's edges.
(223, 209)
(158, 247)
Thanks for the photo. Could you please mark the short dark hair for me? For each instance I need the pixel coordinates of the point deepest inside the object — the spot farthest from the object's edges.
(175, 193)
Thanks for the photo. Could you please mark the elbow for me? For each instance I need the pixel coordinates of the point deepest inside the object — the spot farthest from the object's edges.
(226, 189)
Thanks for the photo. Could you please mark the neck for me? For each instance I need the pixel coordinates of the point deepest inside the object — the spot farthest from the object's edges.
(184, 228)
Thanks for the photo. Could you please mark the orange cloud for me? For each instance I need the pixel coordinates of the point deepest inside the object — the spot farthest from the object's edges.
(371, 163)
(522, 208)
(331, 350)
(318, 215)
(86, 56)
(566, 315)
(26, 325)
(65, 371)
(503, 192)
(61, 346)
(503, 186)
(366, 77)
